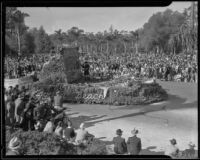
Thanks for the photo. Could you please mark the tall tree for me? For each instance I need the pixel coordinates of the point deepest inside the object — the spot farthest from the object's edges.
(15, 26)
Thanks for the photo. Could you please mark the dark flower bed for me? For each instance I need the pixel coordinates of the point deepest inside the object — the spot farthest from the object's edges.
(138, 93)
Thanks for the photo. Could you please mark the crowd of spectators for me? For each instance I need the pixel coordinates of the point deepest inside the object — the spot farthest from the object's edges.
(17, 67)
(181, 67)
(28, 111)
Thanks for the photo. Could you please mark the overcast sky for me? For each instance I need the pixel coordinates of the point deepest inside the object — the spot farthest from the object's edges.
(93, 19)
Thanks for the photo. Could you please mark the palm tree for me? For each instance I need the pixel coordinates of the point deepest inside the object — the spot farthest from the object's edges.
(18, 21)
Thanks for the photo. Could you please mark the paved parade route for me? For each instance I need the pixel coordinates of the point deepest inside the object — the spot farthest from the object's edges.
(157, 123)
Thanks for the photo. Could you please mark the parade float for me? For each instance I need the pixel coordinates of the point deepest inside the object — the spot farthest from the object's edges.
(63, 73)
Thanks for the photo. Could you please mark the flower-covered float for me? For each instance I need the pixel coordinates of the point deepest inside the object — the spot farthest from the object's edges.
(122, 90)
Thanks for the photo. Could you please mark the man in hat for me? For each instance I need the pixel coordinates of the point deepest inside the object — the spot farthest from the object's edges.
(58, 101)
(14, 146)
(134, 143)
(119, 143)
(172, 150)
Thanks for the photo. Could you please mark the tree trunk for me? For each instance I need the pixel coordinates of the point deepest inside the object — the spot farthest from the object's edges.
(124, 47)
(115, 49)
(18, 41)
(101, 48)
(136, 47)
(107, 47)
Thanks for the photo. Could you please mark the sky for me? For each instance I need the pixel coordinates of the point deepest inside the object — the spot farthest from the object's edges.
(94, 19)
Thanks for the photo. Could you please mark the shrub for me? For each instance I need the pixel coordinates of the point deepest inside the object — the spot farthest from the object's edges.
(97, 147)
(55, 66)
(41, 143)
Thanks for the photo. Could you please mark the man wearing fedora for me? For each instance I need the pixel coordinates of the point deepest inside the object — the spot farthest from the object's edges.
(119, 143)
(172, 150)
(134, 143)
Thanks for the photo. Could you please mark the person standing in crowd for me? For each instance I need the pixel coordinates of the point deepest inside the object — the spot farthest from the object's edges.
(19, 109)
(81, 135)
(10, 111)
(58, 101)
(28, 117)
(10, 90)
(86, 68)
(68, 132)
(120, 146)
(134, 143)
(14, 146)
(16, 91)
(172, 150)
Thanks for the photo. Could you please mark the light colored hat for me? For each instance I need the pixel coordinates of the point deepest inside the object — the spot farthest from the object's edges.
(191, 144)
(82, 125)
(14, 143)
(134, 131)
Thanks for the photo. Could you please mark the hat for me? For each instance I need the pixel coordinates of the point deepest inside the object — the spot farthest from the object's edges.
(58, 92)
(14, 143)
(134, 131)
(191, 144)
(173, 141)
(82, 125)
(119, 131)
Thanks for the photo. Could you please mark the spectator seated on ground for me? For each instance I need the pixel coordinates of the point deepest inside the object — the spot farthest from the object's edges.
(120, 146)
(49, 126)
(69, 133)
(82, 136)
(14, 146)
(190, 152)
(59, 129)
(134, 143)
(172, 150)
